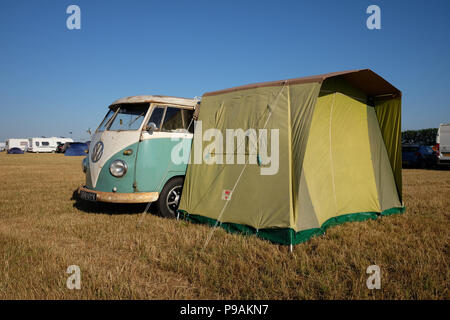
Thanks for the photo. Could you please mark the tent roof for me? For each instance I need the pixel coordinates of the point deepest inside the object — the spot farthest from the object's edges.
(157, 99)
(364, 79)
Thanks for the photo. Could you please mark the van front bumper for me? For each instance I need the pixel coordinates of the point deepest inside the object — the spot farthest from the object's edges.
(117, 197)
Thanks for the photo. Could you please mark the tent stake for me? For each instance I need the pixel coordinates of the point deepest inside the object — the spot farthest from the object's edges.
(143, 215)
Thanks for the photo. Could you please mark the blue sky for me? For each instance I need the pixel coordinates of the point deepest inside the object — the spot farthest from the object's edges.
(54, 80)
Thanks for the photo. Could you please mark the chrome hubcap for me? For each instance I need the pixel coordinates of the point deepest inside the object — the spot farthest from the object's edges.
(173, 199)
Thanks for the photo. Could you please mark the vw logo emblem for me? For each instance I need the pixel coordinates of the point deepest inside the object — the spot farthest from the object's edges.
(97, 151)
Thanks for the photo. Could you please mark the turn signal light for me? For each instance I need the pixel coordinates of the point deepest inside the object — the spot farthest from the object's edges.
(128, 152)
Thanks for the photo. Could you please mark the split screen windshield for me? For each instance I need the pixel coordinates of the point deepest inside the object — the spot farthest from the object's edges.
(124, 117)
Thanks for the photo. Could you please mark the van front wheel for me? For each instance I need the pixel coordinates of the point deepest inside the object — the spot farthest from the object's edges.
(169, 198)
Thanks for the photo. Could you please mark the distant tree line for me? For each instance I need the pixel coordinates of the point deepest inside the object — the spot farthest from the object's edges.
(425, 136)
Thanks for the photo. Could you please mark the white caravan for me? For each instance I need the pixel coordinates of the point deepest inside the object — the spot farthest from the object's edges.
(46, 144)
(2, 146)
(17, 143)
(443, 144)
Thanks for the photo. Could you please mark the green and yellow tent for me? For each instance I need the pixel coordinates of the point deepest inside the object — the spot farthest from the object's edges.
(339, 156)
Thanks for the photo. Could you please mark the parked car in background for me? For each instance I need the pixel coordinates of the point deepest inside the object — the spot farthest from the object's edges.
(64, 147)
(15, 151)
(419, 156)
(59, 148)
(76, 149)
(443, 145)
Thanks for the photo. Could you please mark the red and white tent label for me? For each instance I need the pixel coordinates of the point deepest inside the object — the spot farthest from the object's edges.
(226, 195)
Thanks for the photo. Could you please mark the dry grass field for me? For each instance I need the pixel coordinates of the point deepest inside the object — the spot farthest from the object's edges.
(124, 255)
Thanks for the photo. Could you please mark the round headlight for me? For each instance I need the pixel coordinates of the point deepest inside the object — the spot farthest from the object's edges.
(84, 164)
(118, 168)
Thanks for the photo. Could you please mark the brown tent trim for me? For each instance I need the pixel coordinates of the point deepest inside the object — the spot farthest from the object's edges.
(365, 79)
(266, 84)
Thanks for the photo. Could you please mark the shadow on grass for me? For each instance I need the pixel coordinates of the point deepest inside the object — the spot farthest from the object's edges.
(110, 208)
(430, 168)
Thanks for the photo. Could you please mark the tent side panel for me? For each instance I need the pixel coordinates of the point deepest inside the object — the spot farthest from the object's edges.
(389, 118)
(356, 189)
(302, 101)
(338, 167)
(316, 177)
(258, 200)
(384, 177)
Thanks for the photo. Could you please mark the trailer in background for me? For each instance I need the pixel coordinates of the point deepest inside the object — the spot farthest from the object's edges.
(443, 144)
(41, 144)
(22, 144)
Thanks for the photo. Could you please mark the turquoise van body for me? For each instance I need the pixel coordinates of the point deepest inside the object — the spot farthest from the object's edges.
(149, 168)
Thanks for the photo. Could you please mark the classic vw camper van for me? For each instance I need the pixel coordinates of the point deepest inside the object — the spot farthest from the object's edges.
(129, 159)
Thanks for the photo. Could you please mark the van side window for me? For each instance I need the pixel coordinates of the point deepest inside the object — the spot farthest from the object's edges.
(37, 144)
(173, 119)
(45, 143)
(157, 116)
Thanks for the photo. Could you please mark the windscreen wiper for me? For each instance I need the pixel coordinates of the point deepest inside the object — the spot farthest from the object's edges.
(129, 125)
(107, 125)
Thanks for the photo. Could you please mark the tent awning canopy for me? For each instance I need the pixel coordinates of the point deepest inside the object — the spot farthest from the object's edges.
(366, 80)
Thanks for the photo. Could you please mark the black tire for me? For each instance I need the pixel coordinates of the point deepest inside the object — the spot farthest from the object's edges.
(169, 198)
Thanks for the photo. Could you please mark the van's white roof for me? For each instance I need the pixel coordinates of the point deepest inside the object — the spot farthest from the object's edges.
(158, 99)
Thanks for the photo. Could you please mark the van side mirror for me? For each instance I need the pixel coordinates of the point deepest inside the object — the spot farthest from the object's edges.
(151, 127)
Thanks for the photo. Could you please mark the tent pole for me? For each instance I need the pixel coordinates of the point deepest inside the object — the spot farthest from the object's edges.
(291, 248)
